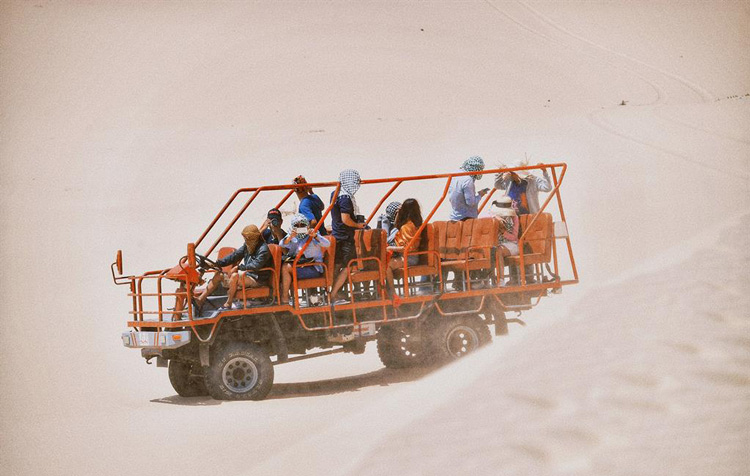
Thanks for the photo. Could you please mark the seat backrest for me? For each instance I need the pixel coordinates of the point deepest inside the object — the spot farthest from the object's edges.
(539, 236)
(484, 234)
(467, 229)
(448, 235)
(223, 253)
(428, 243)
(368, 244)
(276, 253)
(329, 257)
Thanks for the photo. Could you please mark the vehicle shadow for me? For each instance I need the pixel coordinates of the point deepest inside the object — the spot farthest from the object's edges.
(382, 378)
(187, 401)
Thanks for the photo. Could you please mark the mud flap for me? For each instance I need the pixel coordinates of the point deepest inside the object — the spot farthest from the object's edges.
(203, 354)
(279, 342)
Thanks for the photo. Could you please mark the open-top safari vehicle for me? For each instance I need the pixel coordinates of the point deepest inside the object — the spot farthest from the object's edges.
(442, 308)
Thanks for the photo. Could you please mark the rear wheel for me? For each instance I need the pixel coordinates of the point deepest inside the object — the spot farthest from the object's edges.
(452, 338)
(398, 349)
(239, 371)
(185, 380)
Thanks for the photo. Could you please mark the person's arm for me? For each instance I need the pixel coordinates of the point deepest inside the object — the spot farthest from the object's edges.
(470, 195)
(347, 213)
(392, 236)
(347, 220)
(265, 225)
(232, 258)
(543, 183)
(286, 241)
(259, 259)
(278, 232)
(322, 240)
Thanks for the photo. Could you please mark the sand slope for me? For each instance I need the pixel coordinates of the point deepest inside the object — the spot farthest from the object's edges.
(127, 126)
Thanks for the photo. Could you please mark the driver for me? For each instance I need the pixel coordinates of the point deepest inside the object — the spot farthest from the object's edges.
(252, 256)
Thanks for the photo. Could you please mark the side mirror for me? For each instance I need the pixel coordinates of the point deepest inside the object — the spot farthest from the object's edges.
(118, 262)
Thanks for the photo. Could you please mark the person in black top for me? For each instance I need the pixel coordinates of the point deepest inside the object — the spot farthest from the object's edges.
(271, 228)
(252, 256)
(343, 224)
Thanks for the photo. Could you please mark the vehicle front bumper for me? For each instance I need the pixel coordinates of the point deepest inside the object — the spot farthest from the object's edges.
(155, 340)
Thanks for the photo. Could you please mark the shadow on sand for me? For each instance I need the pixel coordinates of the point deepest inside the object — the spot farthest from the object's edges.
(381, 377)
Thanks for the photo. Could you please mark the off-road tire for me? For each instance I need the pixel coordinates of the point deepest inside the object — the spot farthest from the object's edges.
(451, 338)
(239, 371)
(397, 351)
(185, 381)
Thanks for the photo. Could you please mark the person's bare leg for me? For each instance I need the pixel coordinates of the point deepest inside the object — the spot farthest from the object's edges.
(395, 263)
(286, 281)
(210, 287)
(338, 283)
(234, 284)
(501, 272)
(179, 303)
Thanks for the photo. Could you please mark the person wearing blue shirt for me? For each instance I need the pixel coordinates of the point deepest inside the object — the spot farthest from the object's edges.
(462, 192)
(310, 205)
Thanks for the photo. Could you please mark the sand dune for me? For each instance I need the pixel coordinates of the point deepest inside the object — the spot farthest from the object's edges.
(127, 126)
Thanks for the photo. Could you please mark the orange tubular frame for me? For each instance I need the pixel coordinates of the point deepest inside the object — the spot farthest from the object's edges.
(136, 282)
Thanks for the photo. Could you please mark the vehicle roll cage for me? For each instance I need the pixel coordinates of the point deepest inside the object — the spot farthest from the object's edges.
(188, 262)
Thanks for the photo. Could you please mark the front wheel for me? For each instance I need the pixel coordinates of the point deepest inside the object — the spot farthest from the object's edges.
(239, 371)
(185, 380)
(452, 338)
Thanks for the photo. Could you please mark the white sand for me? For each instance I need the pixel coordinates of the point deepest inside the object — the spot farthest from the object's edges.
(128, 126)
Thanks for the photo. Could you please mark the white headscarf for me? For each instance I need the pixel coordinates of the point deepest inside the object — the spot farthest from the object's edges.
(300, 220)
(350, 183)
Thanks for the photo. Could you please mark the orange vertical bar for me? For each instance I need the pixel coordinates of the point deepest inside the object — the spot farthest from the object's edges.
(385, 197)
(418, 233)
(562, 216)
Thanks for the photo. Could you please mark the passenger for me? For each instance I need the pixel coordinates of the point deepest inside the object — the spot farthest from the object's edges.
(254, 254)
(343, 223)
(310, 205)
(523, 187)
(387, 220)
(408, 221)
(462, 192)
(271, 228)
(301, 233)
(503, 211)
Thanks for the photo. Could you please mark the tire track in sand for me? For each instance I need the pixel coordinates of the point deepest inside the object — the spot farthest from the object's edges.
(534, 22)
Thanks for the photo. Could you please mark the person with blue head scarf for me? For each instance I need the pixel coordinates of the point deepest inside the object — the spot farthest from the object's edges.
(301, 233)
(462, 192)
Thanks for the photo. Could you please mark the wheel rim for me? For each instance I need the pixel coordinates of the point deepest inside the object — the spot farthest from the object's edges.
(407, 347)
(462, 340)
(240, 375)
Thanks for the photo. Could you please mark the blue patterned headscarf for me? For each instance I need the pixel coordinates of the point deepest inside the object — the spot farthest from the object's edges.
(473, 164)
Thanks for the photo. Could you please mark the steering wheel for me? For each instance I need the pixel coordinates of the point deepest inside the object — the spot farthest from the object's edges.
(205, 262)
